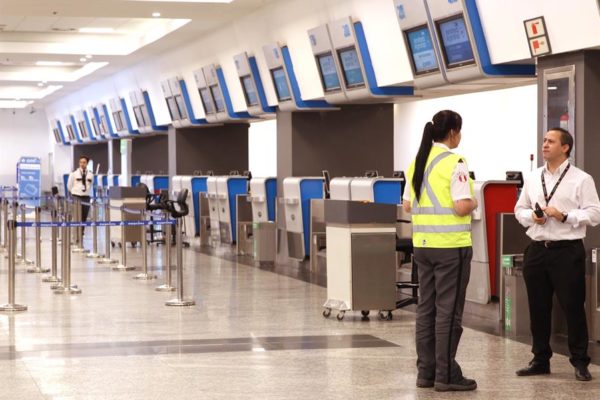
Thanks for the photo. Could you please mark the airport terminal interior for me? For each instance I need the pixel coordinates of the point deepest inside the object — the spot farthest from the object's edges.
(202, 199)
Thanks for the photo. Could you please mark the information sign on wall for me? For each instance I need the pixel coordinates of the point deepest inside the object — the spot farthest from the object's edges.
(29, 179)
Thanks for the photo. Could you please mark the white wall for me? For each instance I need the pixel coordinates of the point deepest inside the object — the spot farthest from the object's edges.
(262, 148)
(499, 130)
(23, 134)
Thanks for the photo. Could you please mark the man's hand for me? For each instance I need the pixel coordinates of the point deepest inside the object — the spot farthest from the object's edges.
(538, 220)
(553, 213)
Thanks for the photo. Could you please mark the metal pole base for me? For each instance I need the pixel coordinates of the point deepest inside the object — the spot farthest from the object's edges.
(67, 290)
(145, 277)
(121, 267)
(179, 303)
(60, 286)
(79, 250)
(24, 261)
(107, 261)
(52, 279)
(165, 288)
(13, 307)
(94, 255)
(38, 270)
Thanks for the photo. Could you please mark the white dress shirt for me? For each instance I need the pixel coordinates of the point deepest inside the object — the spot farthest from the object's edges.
(75, 183)
(576, 195)
(459, 183)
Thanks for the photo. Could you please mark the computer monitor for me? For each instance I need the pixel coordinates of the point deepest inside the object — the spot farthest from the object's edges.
(57, 135)
(353, 76)
(207, 101)
(249, 91)
(326, 184)
(172, 109)
(328, 72)
(82, 129)
(422, 54)
(281, 86)
(456, 45)
(139, 116)
(218, 96)
(70, 132)
(181, 106)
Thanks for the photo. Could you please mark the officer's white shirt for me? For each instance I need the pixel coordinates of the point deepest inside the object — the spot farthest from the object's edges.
(576, 195)
(459, 183)
(75, 183)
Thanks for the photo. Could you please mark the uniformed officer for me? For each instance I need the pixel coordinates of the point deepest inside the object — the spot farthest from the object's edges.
(80, 185)
(554, 261)
(440, 197)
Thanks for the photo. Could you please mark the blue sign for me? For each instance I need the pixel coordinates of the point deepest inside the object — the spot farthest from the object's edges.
(401, 12)
(29, 179)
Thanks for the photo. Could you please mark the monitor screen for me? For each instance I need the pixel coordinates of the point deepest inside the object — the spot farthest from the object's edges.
(181, 106)
(218, 96)
(329, 76)
(456, 45)
(421, 50)
(249, 91)
(103, 124)
(82, 129)
(70, 132)
(96, 127)
(353, 75)
(56, 135)
(146, 115)
(281, 86)
(139, 117)
(118, 121)
(172, 109)
(207, 101)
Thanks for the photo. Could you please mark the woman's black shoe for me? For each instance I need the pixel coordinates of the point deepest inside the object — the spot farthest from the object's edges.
(535, 368)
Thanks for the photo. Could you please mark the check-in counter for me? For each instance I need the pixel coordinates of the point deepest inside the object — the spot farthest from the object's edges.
(263, 199)
(213, 207)
(131, 198)
(228, 187)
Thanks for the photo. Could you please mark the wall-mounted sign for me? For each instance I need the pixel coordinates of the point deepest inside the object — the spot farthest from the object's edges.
(29, 179)
(537, 36)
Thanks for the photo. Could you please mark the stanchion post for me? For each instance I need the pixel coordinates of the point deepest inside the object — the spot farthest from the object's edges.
(167, 286)
(123, 265)
(144, 275)
(78, 229)
(53, 278)
(66, 287)
(38, 245)
(94, 253)
(23, 259)
(179, 301)
(11, 306)
(4, 224)
(107, 241)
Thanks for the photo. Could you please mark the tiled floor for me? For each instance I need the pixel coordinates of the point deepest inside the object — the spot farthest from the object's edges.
(253, 334)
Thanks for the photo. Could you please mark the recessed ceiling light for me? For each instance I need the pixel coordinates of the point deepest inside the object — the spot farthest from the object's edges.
(50, 63)
(88, 56)
(96, 30)
(83, 59)
(156, 14)
(40, 84)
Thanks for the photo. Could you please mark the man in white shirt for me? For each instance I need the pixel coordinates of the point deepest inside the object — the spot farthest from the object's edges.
(554, 262)
(80, 185)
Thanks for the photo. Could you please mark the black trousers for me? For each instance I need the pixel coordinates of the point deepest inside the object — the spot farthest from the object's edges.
(85, 210)
(559, 270)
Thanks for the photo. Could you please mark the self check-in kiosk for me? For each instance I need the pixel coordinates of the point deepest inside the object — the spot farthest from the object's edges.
(143, 112)
(179, 104)
(71, 138)
(59, 134)
(446, 45)
(252, 86)
(340, 188)
(73, 130)
(214, 94)
(228, 187)
(98, 128)
(263, 197)
(297, 193)
(121, 119)
(344, 63)
(285, 83)
(84, 126)
(377, 190)
(213, 206)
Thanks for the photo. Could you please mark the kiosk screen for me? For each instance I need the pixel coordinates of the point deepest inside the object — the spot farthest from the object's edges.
(456, 45)
(207, 101)
(249, 92)
(216, 93)
(173, 109)
(422, 54)
(82, 129)
(180, 106)
(281, 86)
(351, 67)
(329, 75)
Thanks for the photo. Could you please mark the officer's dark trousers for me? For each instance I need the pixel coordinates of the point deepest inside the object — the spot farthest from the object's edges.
(443, 278)
(85, 210)
(559, 270)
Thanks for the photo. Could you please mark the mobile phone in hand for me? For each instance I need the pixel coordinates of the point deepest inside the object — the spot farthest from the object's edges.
(538, 211)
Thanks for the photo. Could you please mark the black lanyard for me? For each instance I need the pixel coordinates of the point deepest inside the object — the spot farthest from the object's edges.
(546, 197)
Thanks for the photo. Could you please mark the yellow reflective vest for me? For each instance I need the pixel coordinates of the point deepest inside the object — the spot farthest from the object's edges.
(435, 223)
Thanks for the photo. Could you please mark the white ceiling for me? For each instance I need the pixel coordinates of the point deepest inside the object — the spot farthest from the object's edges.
(49, 30)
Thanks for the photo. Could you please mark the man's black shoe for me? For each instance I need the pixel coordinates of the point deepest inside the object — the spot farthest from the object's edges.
(535, 368)
(583, 374)
(461, 385)
(424, 383)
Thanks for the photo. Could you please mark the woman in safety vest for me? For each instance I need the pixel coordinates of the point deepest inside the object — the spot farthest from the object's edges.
(440, 198)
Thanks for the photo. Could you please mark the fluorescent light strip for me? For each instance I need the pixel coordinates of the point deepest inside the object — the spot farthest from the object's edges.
(52, 63)
(14, 103)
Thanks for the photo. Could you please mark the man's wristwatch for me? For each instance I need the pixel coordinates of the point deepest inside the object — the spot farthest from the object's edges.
(564, 217)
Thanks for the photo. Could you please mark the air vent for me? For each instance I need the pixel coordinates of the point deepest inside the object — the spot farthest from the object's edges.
(64, 29)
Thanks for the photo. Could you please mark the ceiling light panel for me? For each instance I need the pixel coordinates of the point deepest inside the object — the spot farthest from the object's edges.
(14, 103)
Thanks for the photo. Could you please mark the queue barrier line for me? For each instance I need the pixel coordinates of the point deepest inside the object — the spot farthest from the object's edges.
(91, 223)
